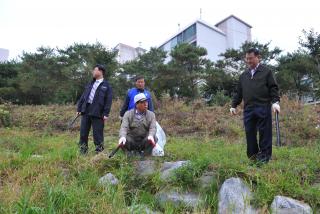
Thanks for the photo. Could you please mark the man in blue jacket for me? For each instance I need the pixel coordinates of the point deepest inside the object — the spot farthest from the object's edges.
(129, 101)
(94, 106)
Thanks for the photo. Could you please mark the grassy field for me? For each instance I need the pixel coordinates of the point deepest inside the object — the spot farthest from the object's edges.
(41, 172)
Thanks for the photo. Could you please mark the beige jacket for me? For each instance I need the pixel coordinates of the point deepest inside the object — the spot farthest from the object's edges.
(138, 128)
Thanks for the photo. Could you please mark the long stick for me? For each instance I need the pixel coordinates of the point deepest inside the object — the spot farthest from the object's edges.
(115, 151)
(73, 121)
(278, 129)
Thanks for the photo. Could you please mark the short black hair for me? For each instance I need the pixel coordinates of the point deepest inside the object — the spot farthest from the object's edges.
(100, 68)
(139, 77)
(255, 51)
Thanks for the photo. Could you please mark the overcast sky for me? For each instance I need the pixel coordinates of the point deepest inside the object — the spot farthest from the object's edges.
(28, 24)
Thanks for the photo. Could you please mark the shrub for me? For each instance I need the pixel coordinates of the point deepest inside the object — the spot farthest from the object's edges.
(219, 99)
(5, 117)
(297, 122)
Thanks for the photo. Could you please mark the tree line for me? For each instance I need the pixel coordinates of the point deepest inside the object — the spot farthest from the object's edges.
(54, 75)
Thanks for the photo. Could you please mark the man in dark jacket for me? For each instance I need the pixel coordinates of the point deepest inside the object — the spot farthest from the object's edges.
(258, 89)
(129, 101)
(94, 106)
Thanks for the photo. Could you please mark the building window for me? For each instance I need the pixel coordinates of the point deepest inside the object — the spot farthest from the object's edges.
(173, 42)
(189, 34)
(185, 37)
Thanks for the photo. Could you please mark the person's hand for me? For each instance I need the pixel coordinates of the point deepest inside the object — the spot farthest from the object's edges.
(151, 141)
(120, 118)
(105, 118)
(276, 107)
(233, 111)
(151, 138)
(78, 113)
(122, 141)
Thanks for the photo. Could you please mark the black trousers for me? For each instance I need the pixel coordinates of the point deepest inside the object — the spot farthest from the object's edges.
(138, 144)
(97, 127)
(258, 119)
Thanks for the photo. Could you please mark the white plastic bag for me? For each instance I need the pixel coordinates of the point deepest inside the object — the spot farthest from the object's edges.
(159, 150)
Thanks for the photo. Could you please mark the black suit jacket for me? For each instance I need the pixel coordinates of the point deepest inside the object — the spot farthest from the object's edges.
(102, 101)
(261, 89)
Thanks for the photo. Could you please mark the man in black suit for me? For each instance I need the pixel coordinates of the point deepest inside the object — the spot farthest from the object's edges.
(94, 106)
(259, 90)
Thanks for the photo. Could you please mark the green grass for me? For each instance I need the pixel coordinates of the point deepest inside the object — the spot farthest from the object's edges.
(61, 181)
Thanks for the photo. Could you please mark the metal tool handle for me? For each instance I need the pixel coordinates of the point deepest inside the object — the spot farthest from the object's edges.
(115, 151)
(73, 121)
(278, 129)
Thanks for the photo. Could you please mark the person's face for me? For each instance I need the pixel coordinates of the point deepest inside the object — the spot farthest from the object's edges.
(142, 106)
(252, 60)
(96, 73)
(140, 84)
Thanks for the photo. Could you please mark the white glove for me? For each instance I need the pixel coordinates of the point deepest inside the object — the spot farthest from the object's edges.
(122, 141)
(233, 111)
(276, 107)
(157, 151)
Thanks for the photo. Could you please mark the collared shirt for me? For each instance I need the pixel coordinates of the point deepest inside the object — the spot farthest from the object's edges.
(253, 71)
(93, 90)
(139, 115)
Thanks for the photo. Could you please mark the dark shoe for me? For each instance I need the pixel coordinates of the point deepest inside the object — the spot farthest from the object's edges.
(83, 149)
(262, 158)
(141, 153)
(262, 161)
(99, 149)
(130, 154)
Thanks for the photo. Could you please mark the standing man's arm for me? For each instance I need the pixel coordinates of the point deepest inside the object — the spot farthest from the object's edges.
(107, 102)
(273, 88)
(237, 98)
(274, 92)
(80, 101)
(125, 106)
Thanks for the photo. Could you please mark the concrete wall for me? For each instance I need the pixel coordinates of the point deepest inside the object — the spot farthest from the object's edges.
(236, 31)
(4, 54)
(234, 34)
(127, 53)
(213, 41)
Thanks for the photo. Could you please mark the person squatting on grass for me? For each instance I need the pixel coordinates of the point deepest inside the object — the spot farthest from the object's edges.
(94, 106)
(138, 128)
(259, 90)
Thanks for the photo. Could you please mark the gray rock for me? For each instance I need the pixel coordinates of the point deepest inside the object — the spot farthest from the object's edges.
(145, 168)
(188, 199)
(108, 179)
(168, 168)
(141, 209)
(206, 179)
(285, 205)
(234, 197)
